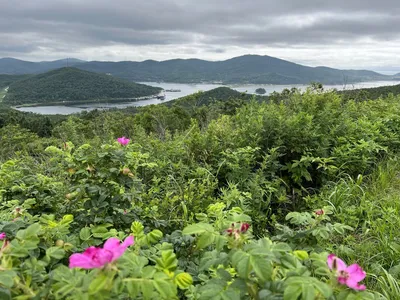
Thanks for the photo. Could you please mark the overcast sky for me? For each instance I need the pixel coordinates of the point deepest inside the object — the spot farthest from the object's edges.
(336, 33)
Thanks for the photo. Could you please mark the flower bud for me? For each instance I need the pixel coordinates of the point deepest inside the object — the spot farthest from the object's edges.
(244, 227)
(126, 171)
(319, 212)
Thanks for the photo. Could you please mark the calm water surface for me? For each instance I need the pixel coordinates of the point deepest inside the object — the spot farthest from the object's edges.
(187, 89)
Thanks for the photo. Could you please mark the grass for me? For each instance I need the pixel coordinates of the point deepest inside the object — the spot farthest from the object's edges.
(372, 207)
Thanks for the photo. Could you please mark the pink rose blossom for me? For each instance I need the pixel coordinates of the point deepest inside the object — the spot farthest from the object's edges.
(2, 236)
(96, 257)
(348, 275)
(123, 141)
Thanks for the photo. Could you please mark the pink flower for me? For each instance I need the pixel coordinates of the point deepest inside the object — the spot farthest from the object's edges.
(319, 212)
(123, 141)
(96, 257)
(348, 275)
(2, 236)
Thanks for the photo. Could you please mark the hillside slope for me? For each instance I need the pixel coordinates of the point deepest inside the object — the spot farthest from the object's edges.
(73, 85)
(6, 80)
(224, 94)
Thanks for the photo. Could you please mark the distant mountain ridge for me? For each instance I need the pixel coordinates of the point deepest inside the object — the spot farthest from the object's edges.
(243, 69)
(12, 66)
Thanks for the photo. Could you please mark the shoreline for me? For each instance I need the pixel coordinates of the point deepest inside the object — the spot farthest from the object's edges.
(82, 102)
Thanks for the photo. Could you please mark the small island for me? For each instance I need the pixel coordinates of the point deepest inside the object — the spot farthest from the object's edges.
(261, 91)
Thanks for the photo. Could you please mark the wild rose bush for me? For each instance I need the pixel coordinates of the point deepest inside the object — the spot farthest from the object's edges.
(226, 209)
(42, 258)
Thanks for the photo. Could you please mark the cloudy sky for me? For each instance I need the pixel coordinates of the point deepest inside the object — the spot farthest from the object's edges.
(336, 33)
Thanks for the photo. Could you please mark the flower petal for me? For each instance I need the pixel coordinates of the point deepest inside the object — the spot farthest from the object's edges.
(102, 257)
(353, 284)
(335, 263)
(79, 260)
(117, 249)
(356, 272)
(111, 244)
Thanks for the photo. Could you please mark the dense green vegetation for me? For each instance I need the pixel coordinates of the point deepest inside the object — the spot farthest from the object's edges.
(371, 93)
(206, 98)
(243, 69)
(71, 85)
(6, 80)
(236, 199)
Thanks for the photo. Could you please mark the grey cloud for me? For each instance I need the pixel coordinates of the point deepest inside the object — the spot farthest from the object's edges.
(192, 27)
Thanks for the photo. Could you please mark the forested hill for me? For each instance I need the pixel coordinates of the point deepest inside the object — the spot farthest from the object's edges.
(208, 97)
(243, 69)
(73, 85)
(6, 80)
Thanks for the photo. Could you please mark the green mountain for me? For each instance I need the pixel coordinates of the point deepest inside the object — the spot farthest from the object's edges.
(6, 80)
(243, 69)
(71, 85)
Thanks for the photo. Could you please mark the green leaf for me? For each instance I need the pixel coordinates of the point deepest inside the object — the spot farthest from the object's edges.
(323, 288)
(98, 283)
(198, 228)
(262, 267)
(183, 280)
(55, 252)
(5, 294)
(7, 278)
(147, 289)
(33, 229)
(205, 239)
(148, 272)
(308, 292)
(292, 292)
(164, 285)
(167, 261)
(85, 234)
(300, 254)
(133, 288)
